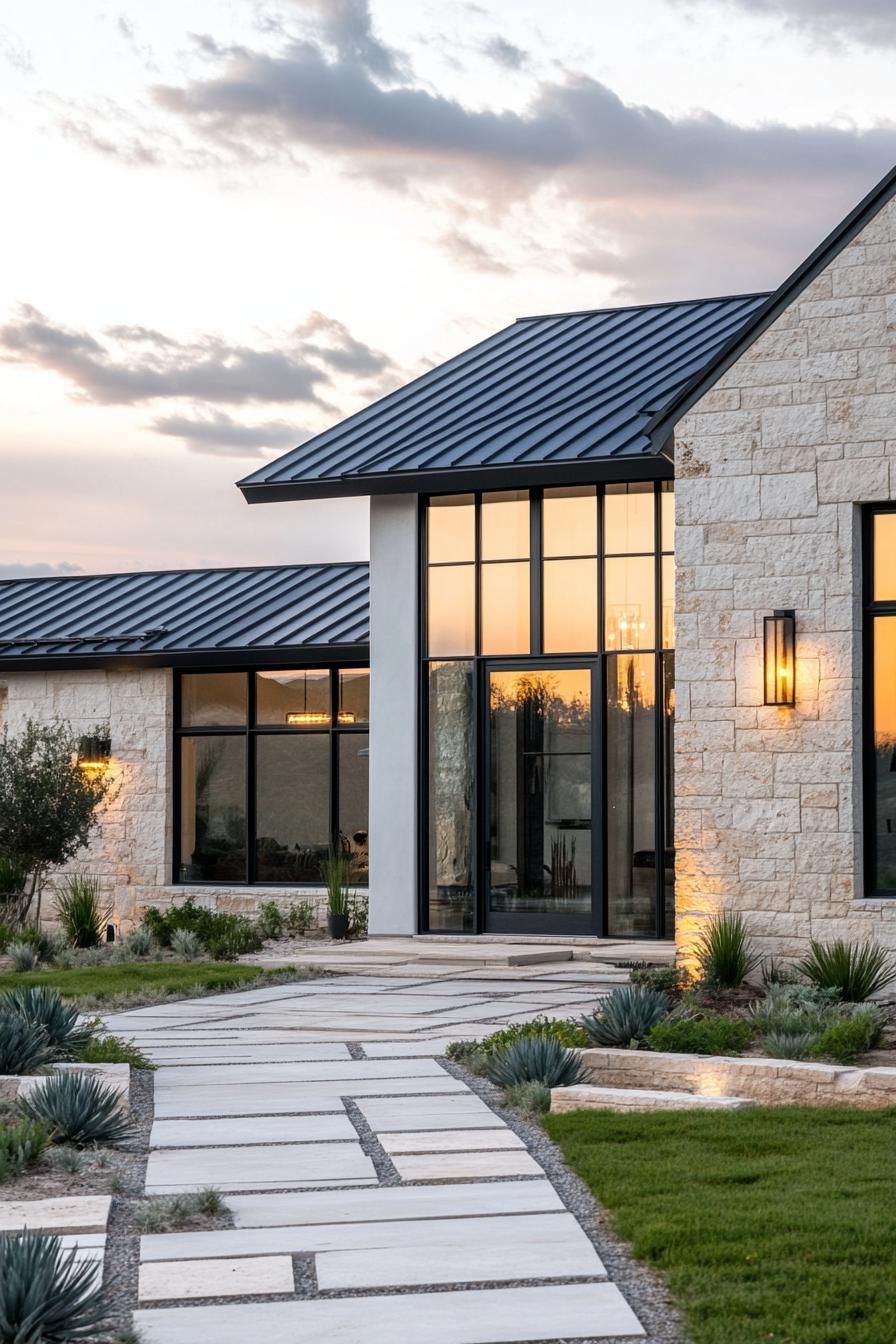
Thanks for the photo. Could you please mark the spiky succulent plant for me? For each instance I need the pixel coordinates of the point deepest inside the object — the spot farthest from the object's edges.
(534, 1059)
(45, 1008)
(25, 956)
(46, 1297)
(78, 1109)
(24, 1046)
(626, 1015)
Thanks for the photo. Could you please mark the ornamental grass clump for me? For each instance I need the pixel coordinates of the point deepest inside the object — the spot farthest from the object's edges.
(724, 952)
(857, 971)
(25, 956)
(21, 1144)
(625, 1016)
(78, 1109)
(45, 1008)
(535, 1059)
(529, 1098)
(46, 1296)
(82, 912)
(186, 945)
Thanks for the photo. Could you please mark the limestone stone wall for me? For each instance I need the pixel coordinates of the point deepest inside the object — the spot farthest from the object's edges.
(771, 468)
(131, 852)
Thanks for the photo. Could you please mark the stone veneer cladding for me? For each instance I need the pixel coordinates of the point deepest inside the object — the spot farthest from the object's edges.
(131, 852)
(771, 467)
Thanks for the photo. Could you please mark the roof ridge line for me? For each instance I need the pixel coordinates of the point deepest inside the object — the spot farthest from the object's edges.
(639, 307)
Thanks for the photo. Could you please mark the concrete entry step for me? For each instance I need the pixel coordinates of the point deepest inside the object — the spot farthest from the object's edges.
(587, 1098)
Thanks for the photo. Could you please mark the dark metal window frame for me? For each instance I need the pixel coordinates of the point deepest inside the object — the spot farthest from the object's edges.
(597, 659)
(871, 609)
(251, 732)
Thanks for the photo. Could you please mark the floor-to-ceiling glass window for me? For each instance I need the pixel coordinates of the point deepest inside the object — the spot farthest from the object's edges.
(549, 701)
(880, 699)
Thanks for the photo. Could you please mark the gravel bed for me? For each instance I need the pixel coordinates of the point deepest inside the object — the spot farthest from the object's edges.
(370, 1144)
(642, 1288)
(123, 1240)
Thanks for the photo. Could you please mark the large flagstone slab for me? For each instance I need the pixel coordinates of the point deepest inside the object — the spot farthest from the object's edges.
(392, 1202)
(349, 1071)
(464, 1166)
(394, 1115)
(287, 1098)
(242, 1052)
(274, 1167)
(488, 1316)
(452, 1141)
(68, 1213)
(253, 1129)
(216, 1278)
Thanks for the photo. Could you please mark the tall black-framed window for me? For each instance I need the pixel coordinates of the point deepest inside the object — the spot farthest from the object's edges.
(514, 581)
(271, 771)
(880, 699)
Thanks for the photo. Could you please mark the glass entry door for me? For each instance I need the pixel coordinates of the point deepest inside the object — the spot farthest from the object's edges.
(539, 748)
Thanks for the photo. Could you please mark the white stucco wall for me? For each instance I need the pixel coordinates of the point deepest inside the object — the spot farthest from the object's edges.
(771, 467)
(393, 714)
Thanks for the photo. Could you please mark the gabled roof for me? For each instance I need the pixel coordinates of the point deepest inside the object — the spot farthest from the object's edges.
(775, 304)
(184, 615)
(568, 395)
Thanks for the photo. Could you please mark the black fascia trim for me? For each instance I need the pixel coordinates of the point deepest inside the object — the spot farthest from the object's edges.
(304, 655)
(792, 287)
(645, 467)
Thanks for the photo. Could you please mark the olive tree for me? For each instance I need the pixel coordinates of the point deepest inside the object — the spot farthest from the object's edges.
(48, 805)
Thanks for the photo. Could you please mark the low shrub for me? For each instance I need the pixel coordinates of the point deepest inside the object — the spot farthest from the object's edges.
(45, 1008)
(666, 979)
(25, 956)
(78, 1109)
(270, 922)
(21, 1144)
(82, 911)
(163, 1213)
(8, 934)
(724, 952)
(855, 970)
(710, 1035)
(788, 1044)
(24, 1046)
(848, 1039)
(625, 1016)
(301, 917)
(563, 1029)
(46, 1296)
(140, 943)
(358, 912)
(777, 972)
(115, 1050)
(224, 936)
(794, 1008)
(530, 1098)
(535, 1059)
(185, 945)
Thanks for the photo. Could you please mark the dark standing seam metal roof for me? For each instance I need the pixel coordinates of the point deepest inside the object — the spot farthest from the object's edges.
(164, 615)
(567, 390)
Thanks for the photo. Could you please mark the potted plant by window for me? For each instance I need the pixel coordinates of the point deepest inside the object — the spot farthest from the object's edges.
(336, 872)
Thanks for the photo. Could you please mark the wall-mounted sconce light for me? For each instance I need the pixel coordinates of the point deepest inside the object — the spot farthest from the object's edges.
(779, 646)
(94, 752)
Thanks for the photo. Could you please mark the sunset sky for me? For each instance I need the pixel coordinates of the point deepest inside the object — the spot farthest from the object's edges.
(228, 223)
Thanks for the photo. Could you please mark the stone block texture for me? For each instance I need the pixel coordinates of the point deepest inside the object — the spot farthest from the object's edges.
(772, 466)
(131, 851)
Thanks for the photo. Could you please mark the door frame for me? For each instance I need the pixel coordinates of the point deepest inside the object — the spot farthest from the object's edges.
(588, 923)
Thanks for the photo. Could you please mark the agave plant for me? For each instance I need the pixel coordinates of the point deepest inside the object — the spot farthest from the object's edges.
(46, 1297)
(45, 1007)
(788, 1044)
(77, 1108)
(724, 952)
(534, 1059)
(24, 1046)
(25, 956)
(855, 970)
(626, 1016)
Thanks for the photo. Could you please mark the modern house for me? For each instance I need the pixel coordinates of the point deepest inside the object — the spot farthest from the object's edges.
(585, 527)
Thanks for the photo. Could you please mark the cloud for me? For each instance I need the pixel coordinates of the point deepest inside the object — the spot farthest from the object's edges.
(505, 53)
(869, 22)
(220, 435)
(471, 254)
(14, 51)
(347, 27)
(134, 364)
(37, 571)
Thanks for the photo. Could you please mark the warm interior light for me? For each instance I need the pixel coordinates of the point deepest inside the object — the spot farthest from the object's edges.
(94, 753)
(301, 718)
(779, 640)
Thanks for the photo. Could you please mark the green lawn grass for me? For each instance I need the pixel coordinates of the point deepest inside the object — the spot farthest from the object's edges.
(138, 977)
(770, 1226)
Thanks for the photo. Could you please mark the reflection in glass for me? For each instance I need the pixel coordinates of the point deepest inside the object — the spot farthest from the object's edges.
(450, 610)
(212, 699)
(667, 580)
(629, 602)
(213, 809)
(570, 606)
(628, 519)
(353, 794)
(505, 607)
(451, 528)
(667, 672)
(354, 696)
(667, 517)
(885, 752)
(569, 521)
(505, 525)
(631, 765)
(540, 792)
(885, 557)
(299, 699)
(451, 737)
(292, 801)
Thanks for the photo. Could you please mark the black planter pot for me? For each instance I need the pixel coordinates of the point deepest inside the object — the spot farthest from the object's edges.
(337, 925)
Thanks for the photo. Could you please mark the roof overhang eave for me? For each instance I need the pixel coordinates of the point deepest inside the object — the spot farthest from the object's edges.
(304, 655)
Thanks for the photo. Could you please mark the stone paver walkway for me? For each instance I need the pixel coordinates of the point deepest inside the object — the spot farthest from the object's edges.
(375, 1197)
